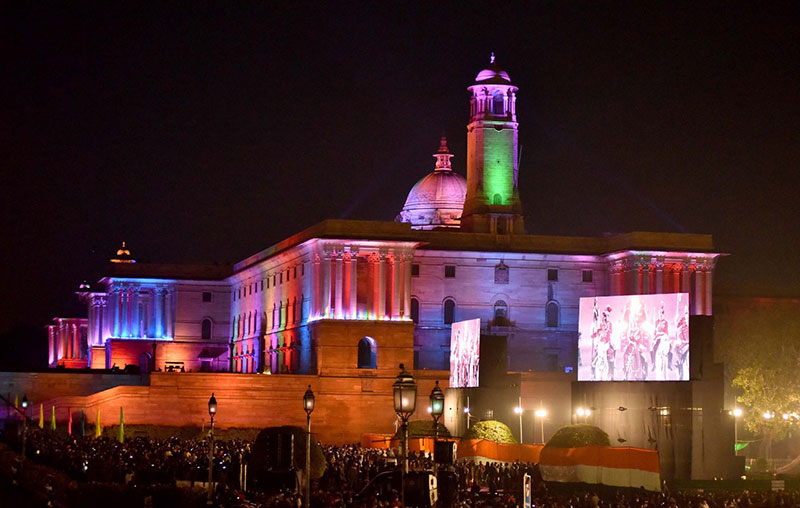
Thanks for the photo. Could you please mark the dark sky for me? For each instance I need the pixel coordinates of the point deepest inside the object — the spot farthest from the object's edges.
(204, 134)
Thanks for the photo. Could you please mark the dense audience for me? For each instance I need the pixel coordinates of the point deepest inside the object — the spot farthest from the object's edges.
(350, 470)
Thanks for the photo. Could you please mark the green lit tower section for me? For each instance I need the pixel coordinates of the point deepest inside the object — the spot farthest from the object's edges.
(492, 203)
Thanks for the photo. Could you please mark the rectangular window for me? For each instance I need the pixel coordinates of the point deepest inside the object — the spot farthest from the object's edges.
(586, 275)
(552, 275)
(295, 272)
(274, 280)
(303, 269)
(280, 280)
(449, 271)
(262, 284)
(415, 270)
(268, 282)
(206, 296)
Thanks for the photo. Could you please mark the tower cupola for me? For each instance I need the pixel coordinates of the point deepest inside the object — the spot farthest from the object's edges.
(492, 203)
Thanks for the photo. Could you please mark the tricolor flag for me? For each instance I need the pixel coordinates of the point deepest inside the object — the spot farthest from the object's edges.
(606, 465)
(69, 422)
(41, 416)
(52, 418)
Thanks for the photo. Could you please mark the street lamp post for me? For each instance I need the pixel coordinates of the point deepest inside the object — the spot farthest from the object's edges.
(437, 409)
(518, 410)
(212, 410)
(24, 426)
(404, 390)
(540, 414)
(737, 413)
(308, 405)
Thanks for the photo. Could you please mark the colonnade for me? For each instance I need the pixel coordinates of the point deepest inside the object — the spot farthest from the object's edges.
(386, 291)
(131, 311)
(65, 340)
(646, 277)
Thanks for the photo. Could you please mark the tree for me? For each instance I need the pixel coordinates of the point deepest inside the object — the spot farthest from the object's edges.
(576, 436)
(759, 341)
(491, 430)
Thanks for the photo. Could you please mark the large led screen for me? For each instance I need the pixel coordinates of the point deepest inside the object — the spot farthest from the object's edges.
(634, 338)
(465, 350)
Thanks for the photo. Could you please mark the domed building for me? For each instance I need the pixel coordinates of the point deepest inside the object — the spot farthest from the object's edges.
(437, 200)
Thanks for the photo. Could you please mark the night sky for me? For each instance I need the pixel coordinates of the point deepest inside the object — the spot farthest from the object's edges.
(201, 134)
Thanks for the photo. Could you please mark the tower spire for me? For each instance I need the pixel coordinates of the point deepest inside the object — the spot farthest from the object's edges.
(491, 58)
(443, 156)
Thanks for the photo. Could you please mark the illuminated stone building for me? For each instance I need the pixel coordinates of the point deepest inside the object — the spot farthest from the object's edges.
(342, 303)
(459, 251)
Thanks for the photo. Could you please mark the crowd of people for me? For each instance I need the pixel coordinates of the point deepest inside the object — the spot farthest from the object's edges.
(138, 460)
(349, 471)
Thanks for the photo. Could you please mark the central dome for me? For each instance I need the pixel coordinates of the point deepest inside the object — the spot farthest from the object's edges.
(437, 200)
(493, 74)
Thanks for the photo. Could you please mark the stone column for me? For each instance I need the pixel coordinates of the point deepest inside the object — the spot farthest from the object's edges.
(51, 343)
(707, 279)
(338, 288)
(659, 277)
(381, 311)
(169, 312)
(407, 262)
(124, 296)
(353, 284)
(685, 278)
(316, 288)
(396, 285)
(158, 313)
(75, 340)
(326, 285)
(134, 327)
(697, 292)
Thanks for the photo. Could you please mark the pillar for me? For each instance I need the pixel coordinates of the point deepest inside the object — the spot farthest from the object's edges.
(158, 312)
(659, 277)
(685, 278)
(697, 292)
(76, 350)
(51, 345)
(407, 262)
(326, 285)
(338, 288)
(381, 310)
(316, 289)
(396, 285)
(134, 326)
(707, 278)
(124, 321)
(353, 301)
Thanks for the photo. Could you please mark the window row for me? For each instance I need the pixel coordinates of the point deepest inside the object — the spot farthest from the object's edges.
(253, 323)
(501, 273)
(552, 312)
(276, 279)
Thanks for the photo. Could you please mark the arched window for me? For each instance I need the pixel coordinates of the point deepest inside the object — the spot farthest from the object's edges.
(551, 314)
(497, 199)
(294, 307)
(498, 103)
(367, 353)
(415, 310)
(205, 329)
(449, 311)
(500, 309)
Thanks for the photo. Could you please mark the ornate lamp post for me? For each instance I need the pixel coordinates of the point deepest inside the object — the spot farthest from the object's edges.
(437, 409)
(308, 405)
(212, 410)
(24, 425)
(405, 401)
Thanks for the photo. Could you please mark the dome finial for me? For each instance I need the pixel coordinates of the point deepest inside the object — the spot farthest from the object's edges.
(443, 145)
(491, 58)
